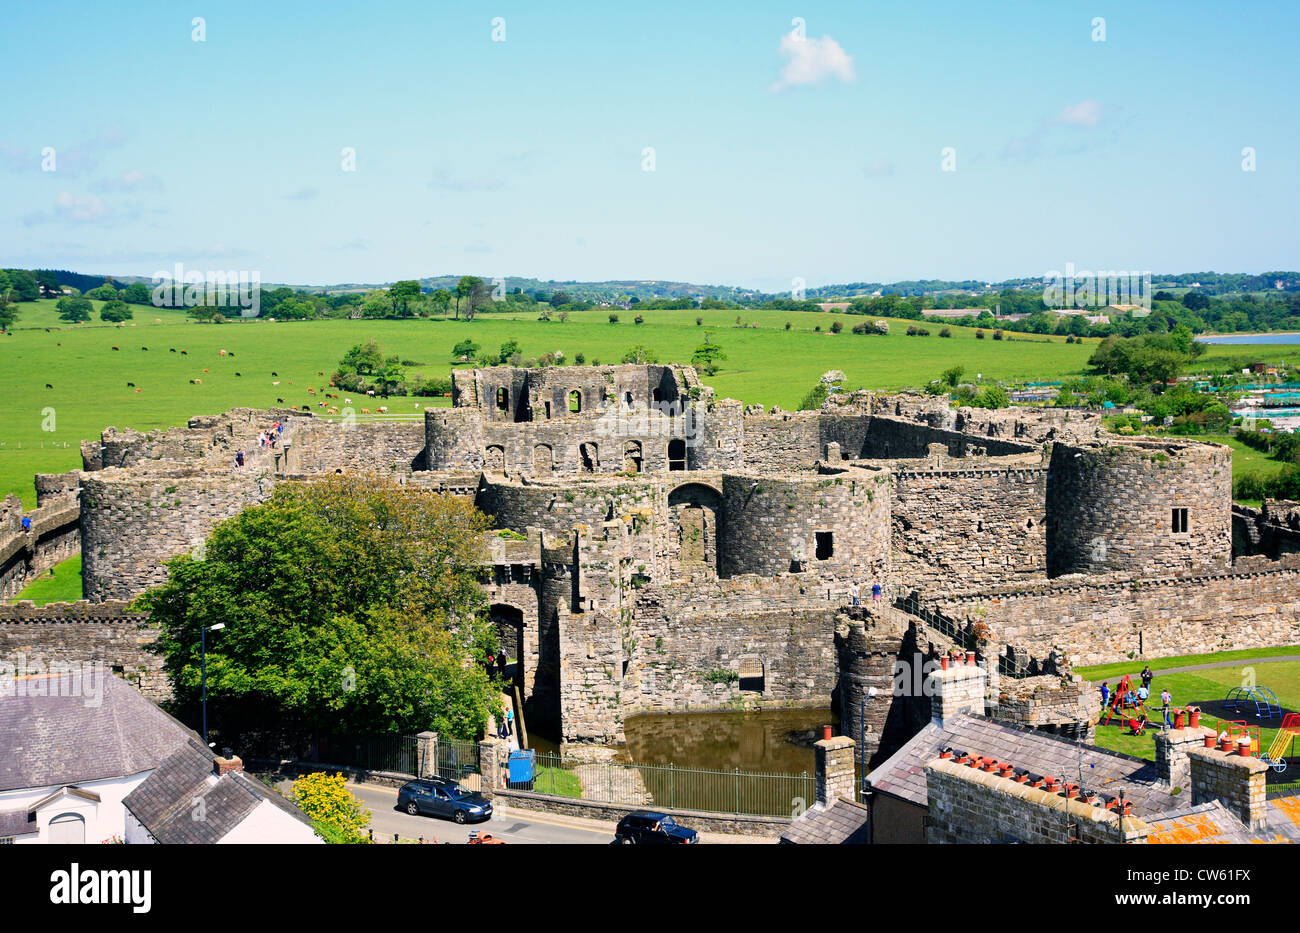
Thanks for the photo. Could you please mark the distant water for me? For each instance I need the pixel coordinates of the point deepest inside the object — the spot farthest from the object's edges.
(1251, 338)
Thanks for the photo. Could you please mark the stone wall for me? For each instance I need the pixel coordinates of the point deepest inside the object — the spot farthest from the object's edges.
(383, 447)
(1122, 616)
(81, 632)
(26, 554)
(1134, 505)
(834, 526)
(975, 807)
(964, 528)
(132, 522)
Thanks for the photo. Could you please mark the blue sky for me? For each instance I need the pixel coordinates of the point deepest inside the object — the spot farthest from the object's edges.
(774, 159)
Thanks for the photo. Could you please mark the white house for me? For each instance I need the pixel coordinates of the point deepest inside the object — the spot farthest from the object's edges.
(75, 746)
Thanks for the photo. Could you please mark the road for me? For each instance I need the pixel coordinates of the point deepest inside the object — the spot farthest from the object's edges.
(514, 826)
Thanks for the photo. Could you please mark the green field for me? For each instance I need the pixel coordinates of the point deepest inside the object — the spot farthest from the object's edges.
(1205, 688)
(88, 389)
(61, 584)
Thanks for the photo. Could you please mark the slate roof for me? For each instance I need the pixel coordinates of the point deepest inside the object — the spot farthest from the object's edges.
(1107, 772)
(17, 822)
(842, 823)
(183, 802)
(55, 739)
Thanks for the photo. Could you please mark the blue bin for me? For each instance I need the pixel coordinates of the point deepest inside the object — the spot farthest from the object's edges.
(521, 768)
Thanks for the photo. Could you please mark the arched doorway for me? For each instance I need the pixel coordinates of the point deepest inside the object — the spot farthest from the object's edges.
(693, 529)
(508, 623)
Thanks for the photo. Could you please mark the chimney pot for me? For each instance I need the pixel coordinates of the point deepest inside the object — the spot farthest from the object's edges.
(826, 732)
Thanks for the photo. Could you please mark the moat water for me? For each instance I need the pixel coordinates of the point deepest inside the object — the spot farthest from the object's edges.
(771, 740)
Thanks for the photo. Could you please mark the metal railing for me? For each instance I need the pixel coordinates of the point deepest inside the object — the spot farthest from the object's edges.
(672, 787)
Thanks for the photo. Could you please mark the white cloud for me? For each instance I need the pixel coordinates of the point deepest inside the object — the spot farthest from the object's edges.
(812, 61)
(1086, 113)
(879, 168)
(132, 180)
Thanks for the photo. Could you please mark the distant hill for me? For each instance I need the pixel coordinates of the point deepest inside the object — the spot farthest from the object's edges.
(621, 290)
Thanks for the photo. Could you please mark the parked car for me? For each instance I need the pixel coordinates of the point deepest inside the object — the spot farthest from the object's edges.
(444, 798)
(646, 827)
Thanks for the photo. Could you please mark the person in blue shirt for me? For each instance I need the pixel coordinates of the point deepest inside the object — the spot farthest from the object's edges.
(1105, 695)
(27, 523)
(875, 592)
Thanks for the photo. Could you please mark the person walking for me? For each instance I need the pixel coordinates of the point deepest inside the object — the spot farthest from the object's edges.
(855, 592)
(875, 592)
(1147, 677)
(1166, 698)
(510, 723)
(239, 458)
(1105, 695)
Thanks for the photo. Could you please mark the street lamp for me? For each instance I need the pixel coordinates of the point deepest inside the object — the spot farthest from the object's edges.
(203, 676)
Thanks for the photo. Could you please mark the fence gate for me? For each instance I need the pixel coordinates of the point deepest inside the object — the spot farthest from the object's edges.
(456, 760)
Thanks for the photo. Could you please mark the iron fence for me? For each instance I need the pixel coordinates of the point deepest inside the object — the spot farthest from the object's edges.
(373, 753)
(672, 787)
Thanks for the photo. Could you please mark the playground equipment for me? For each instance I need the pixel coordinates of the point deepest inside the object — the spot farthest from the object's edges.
(1286, 734)
(1126, 698)
(1265, 700)
(1238, 728)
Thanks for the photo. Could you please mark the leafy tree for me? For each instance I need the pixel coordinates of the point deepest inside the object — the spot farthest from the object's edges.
(951, 376)
(137, 293)
(351, 605)
(441, 300)
(401, 294)
(329, 804)
(74, 310)
(465, 349)
(105, 292)
(8, 313)
(364, 359)
(613, 318)
(816, 395)
(24, 285)
(508, 350)
(640, 354)
(707, 355)
(115, 311)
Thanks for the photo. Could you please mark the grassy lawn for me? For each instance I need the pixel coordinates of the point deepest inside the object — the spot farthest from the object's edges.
(61, 584)
(1099, 672)
(1206, 689)
(557, 781)
(65, 383)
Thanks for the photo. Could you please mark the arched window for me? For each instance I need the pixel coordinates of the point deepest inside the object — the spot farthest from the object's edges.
(503, 399)
(68, 829)
(588, 457)
(575, 400)
(632, 457)
(543, 462)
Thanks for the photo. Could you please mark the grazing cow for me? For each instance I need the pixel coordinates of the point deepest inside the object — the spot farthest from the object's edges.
(276, 383)
(222, 352)
(137, 390)
(173, 349)
(144, 348)
(115, 348)
(48, 386)
(383, 409)
(370, 392)
(185, 353)
(319, 373)
(365, 411)
(280, 401)
(205, 370)
(238, 374)
(275, 374)
(130, 385)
